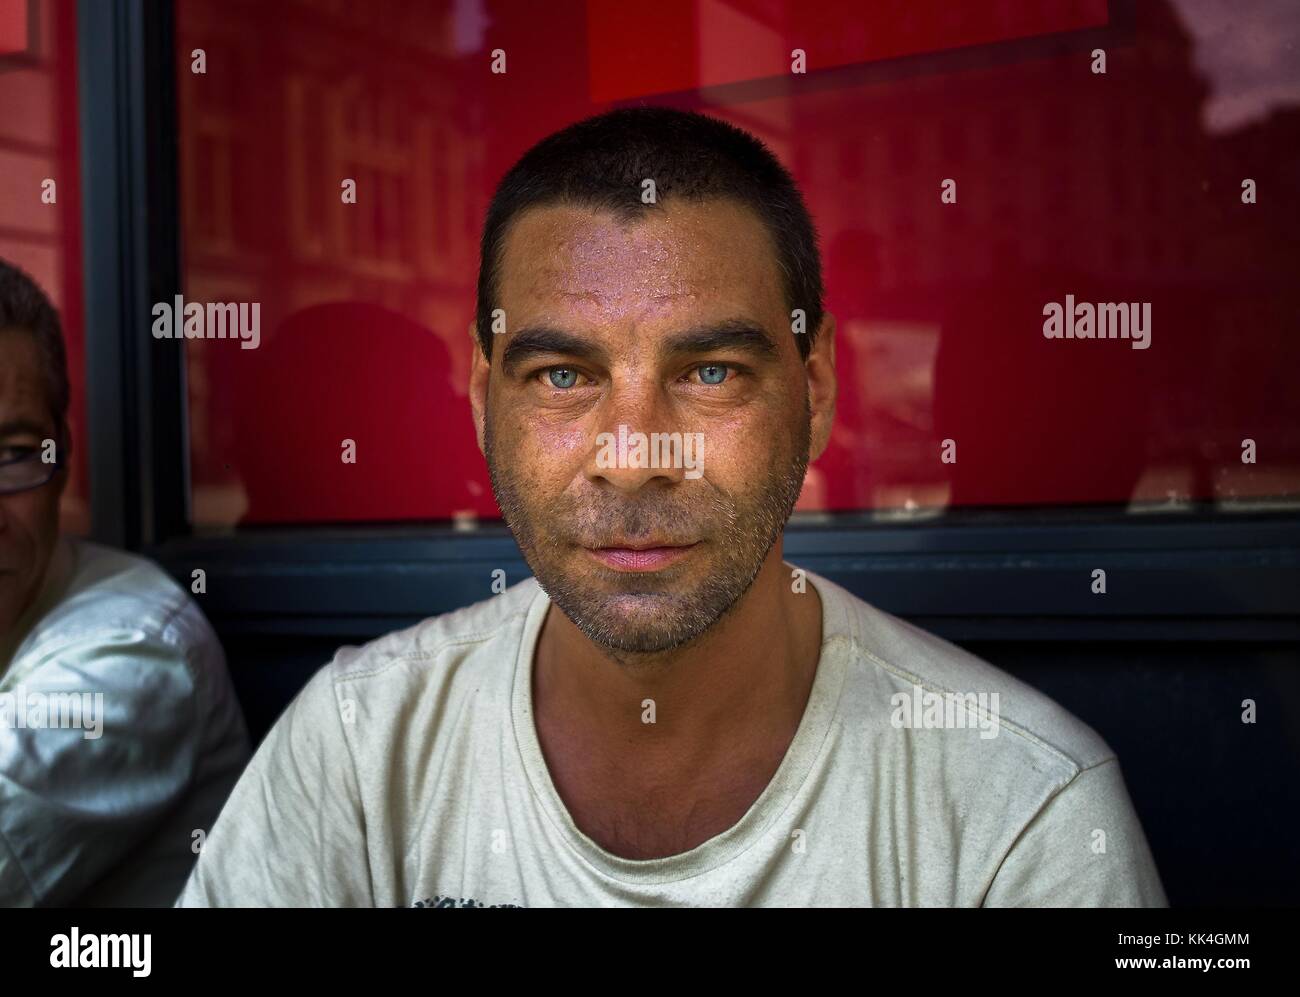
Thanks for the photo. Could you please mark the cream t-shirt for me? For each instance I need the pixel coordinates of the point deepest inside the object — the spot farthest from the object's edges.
(408, 773)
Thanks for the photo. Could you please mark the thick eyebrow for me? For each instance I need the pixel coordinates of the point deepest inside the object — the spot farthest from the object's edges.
(19, 427)
(538, 340)
(730, 334)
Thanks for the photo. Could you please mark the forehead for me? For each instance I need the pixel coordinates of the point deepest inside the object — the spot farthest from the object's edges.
(22, 386)
(682, 256)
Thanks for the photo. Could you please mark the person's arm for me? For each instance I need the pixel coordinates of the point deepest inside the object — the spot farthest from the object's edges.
(1084, 848)
(292, 832)
(76, 800)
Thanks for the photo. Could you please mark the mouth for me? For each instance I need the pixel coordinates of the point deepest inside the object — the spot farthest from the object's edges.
(641, 557)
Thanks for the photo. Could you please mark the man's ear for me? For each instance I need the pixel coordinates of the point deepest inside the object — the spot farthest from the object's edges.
(479, 369)
(822, 387)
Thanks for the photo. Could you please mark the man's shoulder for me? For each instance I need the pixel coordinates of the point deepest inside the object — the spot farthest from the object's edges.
(916, 675)
(482, 636)
(111, 591)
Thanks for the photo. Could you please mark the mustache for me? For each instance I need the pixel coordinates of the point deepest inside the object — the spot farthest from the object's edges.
(607, 524)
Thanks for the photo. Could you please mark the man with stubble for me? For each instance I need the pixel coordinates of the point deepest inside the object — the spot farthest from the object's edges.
(667, 713)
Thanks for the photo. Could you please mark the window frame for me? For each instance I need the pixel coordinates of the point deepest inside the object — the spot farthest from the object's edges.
(1015, 573)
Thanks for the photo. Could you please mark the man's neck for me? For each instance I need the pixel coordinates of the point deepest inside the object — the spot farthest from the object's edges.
(738, 691)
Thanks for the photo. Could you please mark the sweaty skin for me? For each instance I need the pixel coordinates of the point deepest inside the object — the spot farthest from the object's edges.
(716, 637)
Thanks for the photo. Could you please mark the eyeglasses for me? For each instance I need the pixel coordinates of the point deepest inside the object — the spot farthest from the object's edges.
(20, 474)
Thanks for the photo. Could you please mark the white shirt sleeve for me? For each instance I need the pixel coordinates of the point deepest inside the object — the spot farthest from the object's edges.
(1084, 848)
(74, 800)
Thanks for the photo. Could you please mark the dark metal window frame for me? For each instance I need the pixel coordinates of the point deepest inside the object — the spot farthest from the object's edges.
(972, 574)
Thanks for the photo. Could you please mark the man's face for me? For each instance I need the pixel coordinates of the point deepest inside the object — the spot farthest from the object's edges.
(29, 521)
(673, 324)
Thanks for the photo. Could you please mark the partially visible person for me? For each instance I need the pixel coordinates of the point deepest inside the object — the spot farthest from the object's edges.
(120, 734)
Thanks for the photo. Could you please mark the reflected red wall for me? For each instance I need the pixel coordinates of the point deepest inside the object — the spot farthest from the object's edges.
(38, 142)
(1107, 187)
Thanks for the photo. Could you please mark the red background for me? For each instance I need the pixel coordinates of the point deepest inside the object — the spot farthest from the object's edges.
(1115, 187)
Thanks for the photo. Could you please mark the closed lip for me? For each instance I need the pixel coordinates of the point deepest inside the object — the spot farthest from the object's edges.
(651, 545)
(641, 558)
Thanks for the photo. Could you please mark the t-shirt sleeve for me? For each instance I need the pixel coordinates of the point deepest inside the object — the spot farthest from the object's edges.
(1084, 848)
(105, 747)
(292, 832)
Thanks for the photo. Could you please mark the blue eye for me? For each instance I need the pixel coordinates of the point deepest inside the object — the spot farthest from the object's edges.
(713, 373)
(563, 377)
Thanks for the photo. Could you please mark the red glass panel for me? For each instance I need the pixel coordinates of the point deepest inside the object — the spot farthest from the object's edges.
(1072, 186)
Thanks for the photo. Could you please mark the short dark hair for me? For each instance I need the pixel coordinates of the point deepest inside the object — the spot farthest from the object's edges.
(601, 162)
(24, 306)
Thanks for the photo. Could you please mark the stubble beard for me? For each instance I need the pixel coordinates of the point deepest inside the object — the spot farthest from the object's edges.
(652, 612)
